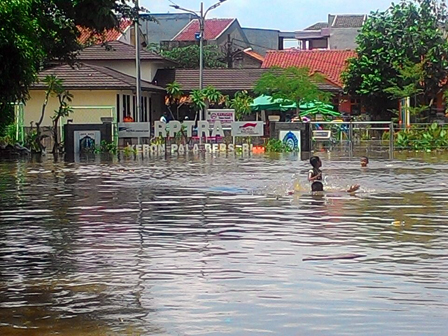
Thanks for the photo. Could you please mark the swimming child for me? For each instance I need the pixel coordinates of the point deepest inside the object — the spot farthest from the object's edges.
(364, 161)
(315, 176)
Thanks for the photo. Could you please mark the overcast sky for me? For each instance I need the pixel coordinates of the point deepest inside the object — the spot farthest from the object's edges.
(285, 15)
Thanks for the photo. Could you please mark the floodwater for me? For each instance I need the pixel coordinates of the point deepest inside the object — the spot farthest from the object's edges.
(217, 245)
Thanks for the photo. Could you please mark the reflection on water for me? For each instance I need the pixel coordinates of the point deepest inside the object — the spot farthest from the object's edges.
(218, 245)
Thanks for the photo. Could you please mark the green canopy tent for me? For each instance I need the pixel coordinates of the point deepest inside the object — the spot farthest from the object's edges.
(326, 112)
(268, 103)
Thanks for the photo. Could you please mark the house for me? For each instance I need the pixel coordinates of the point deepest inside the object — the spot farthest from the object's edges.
(103, 84)
(163, 27)
(125, 33)
(330, 63)
(339, 32)
(216, 32)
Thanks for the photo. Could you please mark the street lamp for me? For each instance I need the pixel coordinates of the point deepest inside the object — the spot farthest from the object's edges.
(201, 18)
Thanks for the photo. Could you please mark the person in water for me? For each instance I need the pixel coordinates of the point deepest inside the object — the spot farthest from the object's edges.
(316, 179)
(364, 161)
(315, 174)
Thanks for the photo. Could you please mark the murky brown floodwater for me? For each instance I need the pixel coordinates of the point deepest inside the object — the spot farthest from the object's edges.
(214, 246)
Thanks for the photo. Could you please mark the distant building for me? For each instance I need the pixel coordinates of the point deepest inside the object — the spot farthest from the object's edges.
(216, 32)
(172, 30)
(339, 32)
(163, 27)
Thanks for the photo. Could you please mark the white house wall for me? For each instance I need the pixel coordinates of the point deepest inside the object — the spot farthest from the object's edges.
(33, 107)
(148, 69)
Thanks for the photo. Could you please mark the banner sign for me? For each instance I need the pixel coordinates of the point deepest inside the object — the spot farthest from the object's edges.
(225, 116)
(247, 128)
(133, 130)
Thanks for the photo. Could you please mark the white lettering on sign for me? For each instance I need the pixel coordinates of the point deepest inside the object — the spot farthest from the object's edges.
(174, 127)
(239, 128)
(181, 149)
(189, 124)
(203, 129)
(160, 129)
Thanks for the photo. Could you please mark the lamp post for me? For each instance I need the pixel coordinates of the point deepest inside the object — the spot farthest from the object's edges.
(138, 88)
(201, 18)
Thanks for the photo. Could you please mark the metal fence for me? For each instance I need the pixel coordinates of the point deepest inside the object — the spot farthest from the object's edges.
(369, 138)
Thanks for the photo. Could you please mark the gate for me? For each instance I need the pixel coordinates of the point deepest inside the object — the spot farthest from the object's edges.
(354, 138)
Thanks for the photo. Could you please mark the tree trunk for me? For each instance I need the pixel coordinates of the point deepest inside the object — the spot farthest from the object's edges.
(38, 134)
(55, 136)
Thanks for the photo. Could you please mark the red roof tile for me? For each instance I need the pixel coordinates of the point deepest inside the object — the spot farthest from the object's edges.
(109, 35)
(213, 28)
(331, 63)
(255, 55)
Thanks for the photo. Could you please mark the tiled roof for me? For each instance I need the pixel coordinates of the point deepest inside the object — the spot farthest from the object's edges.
(115, 50)
(331, 63)
(92, 77)
(224, 80)
(348, 21)
(213, 28)
(109, 35)
(255, 55)
(317, 26)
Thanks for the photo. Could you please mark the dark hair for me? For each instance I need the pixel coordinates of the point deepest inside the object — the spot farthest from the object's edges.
(317, 186)
(314, 160)
(365, 158)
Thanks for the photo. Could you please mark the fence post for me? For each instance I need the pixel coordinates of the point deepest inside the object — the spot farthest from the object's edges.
(391, 140)
(350, 135)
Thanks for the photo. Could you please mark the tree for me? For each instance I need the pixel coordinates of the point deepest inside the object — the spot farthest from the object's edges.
(36, 33)
(203, 99)
(293, 84)
(188, 57)
(64, 110)
(241, 104)
(407, 33)
(174, 95)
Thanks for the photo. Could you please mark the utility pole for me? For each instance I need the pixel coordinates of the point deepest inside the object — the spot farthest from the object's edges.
(229, 55)
(201, 18)
(138, 87)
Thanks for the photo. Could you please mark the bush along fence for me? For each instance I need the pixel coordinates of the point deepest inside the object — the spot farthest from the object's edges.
(425, 137)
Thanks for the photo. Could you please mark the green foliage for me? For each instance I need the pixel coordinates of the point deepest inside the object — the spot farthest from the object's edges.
(188, 57)
(212, 96)
(241, 104)
(400, 52)
(197, 99)
(174, 91)
(31, 141)
(429, 138)
(277, 146)
(293, 84)
(106, 147)
(9, 137)
(201, 99)
(129, 151)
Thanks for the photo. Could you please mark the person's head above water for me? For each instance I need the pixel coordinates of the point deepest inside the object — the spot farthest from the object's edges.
(364, 161)
(315, 162)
